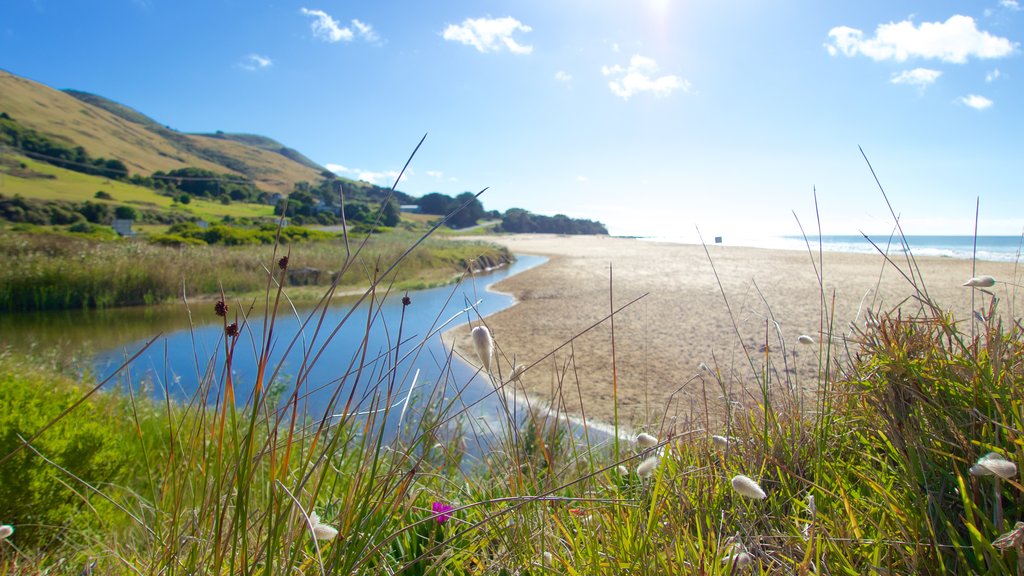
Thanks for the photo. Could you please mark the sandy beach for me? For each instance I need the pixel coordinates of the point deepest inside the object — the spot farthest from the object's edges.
(682, 320)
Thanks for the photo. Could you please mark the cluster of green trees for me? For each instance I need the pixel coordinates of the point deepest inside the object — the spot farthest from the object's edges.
(325, 203)
(466, 210)
(63, 213)
(46, 149)
(204, 183)
(519, 220)
(442, 205)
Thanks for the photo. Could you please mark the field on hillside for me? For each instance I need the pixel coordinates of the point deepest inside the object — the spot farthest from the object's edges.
(53, 183)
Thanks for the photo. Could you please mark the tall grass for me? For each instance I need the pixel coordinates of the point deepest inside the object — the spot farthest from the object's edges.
(49, 272)
(868, 473)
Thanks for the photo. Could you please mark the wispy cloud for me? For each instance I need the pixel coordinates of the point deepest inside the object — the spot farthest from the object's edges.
(385, 178)
(253, 62)
(975, 101)
(1010, 4)
(365, 31)
(563, 76)
(993, 75)
(955, 40)
(435, 174)
(642, 76)
(582, 178)
(919, 77)
(326, 28)
(489, 34)
(378, 178)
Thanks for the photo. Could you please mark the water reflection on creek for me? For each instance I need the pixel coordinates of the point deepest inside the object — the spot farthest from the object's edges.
(190, 346)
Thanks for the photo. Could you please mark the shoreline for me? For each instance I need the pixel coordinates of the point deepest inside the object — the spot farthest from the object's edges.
(683, 323)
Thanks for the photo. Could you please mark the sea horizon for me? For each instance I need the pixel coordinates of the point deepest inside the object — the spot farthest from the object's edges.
(995, 248)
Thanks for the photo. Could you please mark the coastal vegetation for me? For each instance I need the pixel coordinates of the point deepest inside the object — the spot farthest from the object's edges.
(57, 271)
(901, 458)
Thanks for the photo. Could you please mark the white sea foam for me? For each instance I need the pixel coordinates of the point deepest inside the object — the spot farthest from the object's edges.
(989, 248)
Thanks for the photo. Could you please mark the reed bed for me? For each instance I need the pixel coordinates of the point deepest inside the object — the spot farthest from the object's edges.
(52, 272)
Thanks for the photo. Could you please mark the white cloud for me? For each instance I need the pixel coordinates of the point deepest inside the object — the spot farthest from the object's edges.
(582, 178)
(955, 40)
(975, 101)
(1011, 4)
(920, 77)
(993, 75)
(366, 32)
(489, 34)
(641, 76)
(379, 178)
(256, 62)
(563, 76)
(326, 28)
(337, 168)
(615, 47)
(435, 174)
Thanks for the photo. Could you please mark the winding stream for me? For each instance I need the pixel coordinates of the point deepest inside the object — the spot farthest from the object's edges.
(183, 357)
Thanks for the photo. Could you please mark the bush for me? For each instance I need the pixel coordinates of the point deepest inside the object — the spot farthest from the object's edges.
(96, 442)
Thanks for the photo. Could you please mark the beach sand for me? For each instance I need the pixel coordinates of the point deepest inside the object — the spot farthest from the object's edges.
(683, 321)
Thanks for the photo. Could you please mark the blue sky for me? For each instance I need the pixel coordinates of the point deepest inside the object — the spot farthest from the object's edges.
(653, 116)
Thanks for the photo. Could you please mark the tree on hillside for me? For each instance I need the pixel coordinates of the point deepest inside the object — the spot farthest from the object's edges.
(125, 213)
(436, 203)
(468, 215)
(390, 213)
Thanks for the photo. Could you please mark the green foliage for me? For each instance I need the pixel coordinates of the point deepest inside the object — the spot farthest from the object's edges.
(201, 183)
(519, 220)
(126, 213)
(98, 442)
(465, 209)
(390, 213)
(59, 272)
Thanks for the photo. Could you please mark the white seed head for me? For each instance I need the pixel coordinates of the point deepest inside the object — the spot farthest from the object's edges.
(719, 442)
(981, 282)
(993, 464)
(805, 340)
(622, 470)
(324, 532)
(548, 558)
(646, 468)
(745, 486)
(811, 506)
(321, 531)
(517, 373)
(5, 531)
(741, 560)
(645, 440)
(484, 346)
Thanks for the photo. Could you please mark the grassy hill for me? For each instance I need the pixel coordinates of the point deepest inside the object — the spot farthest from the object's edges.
(112, 130)
(42, 181)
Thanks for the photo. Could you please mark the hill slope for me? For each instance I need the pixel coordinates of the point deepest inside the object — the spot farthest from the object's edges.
(111, 130)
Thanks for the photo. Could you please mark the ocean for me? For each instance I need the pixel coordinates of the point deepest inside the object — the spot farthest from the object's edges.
(987, 248)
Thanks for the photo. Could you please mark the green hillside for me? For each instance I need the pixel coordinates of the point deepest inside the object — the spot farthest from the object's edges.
(37, 180)
(108, 129)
